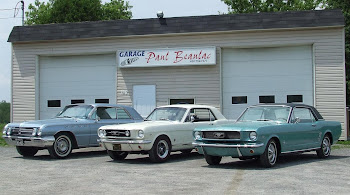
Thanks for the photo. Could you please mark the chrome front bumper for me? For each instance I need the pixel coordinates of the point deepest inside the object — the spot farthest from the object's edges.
(228, 145)
(125, 145)
(42, 142)
(113, 141)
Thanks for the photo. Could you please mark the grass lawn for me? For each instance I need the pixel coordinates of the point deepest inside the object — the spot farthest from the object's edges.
(341, 144)
(2, 141)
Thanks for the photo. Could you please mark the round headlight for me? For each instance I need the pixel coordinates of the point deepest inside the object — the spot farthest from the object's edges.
(197, 135)
(35, 131)
(127, 133)
(39, 132)
(4, 131)
(253, 136)
(8, 132)
(102, 133)
(141, 134)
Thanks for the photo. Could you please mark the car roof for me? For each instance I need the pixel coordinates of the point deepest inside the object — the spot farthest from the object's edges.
(187, 106)
(293, 105)
(101, 104)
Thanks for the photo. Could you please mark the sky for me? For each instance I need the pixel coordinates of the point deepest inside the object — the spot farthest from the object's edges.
(141, 9)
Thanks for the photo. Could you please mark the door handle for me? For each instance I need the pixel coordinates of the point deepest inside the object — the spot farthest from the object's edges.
(314, 125)
(211, 123)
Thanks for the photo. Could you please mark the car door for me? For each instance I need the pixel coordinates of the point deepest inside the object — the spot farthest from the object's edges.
(305, 129)
(197, 117)
(103, 116)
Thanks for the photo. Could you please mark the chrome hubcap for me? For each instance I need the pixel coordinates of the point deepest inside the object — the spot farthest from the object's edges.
(272, 153)
(62, 146)
(326, 146)
(162, 149)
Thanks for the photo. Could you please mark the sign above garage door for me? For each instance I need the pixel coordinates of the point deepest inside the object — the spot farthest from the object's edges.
(167, 57)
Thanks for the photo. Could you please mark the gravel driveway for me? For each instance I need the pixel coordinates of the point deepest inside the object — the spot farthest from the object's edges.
(91, 171)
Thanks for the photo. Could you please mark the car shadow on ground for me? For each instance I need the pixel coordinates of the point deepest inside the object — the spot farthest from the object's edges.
(73, 155)
(285, 160)
(174, 158)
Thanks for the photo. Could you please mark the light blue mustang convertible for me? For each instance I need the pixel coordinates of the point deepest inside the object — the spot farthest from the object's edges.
(264, 131)
(74, 127)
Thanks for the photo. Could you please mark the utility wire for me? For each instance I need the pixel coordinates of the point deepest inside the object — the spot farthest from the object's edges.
(7, 9)
(9, 18)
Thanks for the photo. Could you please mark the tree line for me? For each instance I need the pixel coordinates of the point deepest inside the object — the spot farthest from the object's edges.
(4, 112)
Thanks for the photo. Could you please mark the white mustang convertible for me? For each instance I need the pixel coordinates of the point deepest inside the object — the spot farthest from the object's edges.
(166, 129)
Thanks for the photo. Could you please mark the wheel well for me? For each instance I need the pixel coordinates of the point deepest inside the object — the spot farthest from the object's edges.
(163, 135)
(330, 136)
(71, 135)
(278, 143)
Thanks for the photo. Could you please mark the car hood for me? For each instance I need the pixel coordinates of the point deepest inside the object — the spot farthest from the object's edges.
(53, 121)
(142, 125)
(240, 126)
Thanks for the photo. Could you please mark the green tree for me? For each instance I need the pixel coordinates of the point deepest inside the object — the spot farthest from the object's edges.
(344, 5)
(256, 6)
(63, 11)
(4, 112)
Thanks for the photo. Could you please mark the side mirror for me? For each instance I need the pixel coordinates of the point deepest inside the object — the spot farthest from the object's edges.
(297, 120)
(193, 118)
(98, 118)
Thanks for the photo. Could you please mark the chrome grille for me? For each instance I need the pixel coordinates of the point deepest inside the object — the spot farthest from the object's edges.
(117, 133)
(221, 135)
(22, 131)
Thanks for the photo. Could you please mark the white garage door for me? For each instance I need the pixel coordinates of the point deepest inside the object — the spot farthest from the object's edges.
(76, 79)
(266, 75)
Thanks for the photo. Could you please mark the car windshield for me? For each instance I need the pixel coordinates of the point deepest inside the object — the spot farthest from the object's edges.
(266, 113)
(75, 111)
(167, 113)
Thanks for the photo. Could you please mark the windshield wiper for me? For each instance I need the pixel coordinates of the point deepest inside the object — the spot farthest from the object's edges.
(163, 119)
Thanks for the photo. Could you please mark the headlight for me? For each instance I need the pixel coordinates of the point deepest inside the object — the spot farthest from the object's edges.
(197, 135)
(39, 132)
(253, 136)
(141, 134)
(35, 131)
(102, 133)
(8, 132)
(127, 133)
(4, 131)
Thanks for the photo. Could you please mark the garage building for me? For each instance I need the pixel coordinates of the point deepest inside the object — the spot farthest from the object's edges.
(228, 61)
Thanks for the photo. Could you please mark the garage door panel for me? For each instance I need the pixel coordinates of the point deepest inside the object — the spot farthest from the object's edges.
(277, 72)
(256, 54)
(67, 78)
(264, 68)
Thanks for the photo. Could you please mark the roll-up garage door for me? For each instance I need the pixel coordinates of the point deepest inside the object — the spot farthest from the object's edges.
(75, 79)
(266, 75)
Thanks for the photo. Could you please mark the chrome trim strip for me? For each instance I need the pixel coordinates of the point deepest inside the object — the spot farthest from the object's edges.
(228, 145)
(110, 141)
(305, 150)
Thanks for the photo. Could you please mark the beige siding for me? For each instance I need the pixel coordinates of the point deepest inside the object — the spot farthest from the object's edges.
(200, 82)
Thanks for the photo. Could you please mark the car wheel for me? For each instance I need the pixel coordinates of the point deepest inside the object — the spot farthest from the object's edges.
(325, 149)
(62, 146)
(269, 157)
(186, 151)
(161, 149)
(116, 155)
(26, 151)
(213, 160)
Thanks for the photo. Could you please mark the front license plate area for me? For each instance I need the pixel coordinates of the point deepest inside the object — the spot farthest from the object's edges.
(117, 147)
(19, 142)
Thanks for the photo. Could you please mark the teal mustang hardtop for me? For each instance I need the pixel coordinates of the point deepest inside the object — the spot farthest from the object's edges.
(265, 131)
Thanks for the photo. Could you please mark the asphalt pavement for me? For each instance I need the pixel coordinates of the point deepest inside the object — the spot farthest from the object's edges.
(91, 171)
